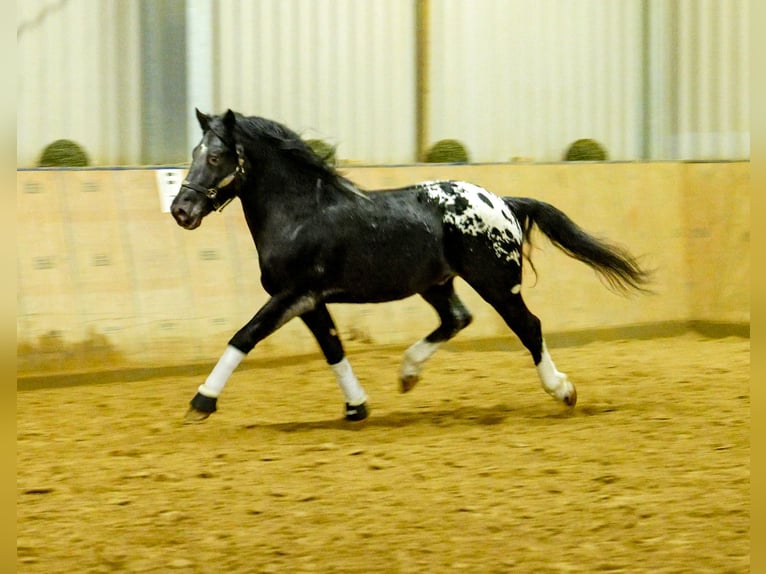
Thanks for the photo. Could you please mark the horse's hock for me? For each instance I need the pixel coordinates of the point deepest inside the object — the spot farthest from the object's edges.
(107, 280)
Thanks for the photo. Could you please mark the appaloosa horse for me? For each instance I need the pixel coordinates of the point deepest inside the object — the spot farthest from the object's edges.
(320, 239)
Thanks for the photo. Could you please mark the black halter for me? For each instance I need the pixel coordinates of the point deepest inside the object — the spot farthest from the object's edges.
(212, 192)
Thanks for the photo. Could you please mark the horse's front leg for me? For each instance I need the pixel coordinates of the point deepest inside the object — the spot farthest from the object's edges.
(276, 312)
(321, 325)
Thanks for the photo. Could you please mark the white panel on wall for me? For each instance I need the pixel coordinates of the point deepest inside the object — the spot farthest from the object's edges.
(78, 78)
(340, 70)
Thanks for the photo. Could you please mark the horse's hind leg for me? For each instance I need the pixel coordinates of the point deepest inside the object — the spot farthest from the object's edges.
(527, 326)
(321, 325)
(520, 319)
(454, 317)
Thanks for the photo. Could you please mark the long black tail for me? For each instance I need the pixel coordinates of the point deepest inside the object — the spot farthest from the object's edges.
(615, 264)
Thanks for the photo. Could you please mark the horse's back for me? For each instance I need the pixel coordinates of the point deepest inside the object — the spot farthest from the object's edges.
(388, 247)
(399, 242)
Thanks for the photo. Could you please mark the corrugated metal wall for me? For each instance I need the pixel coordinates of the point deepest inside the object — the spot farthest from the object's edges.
(651, 79)
(341, 70)
(699, 80)
(519, 78)
(79, 78)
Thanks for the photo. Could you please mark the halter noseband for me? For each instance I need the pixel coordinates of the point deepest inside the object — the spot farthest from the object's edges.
(212, 192)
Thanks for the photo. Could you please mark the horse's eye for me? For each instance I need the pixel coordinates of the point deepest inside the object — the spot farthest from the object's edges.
(212, 159)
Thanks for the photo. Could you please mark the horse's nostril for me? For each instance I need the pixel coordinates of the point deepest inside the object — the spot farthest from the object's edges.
(179, 212)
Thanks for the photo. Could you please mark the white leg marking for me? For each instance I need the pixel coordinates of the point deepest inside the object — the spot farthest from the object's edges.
(348, 383)
(415, 357)
(217, 378)
(554, 382)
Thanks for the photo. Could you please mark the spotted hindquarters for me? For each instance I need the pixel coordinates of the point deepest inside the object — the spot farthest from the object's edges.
(474, 212)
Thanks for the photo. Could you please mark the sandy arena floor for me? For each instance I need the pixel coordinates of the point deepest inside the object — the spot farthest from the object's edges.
(476, 470)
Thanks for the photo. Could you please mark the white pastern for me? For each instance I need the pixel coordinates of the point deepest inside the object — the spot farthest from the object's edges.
(554, 382)
(415, 357)
(217, 378)
(348, 383)
(484, 214)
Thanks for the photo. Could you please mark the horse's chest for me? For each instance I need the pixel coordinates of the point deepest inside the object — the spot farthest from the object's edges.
(285, 270)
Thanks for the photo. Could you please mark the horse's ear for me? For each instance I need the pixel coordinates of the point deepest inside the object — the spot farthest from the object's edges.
(204, 121)
(229, 121)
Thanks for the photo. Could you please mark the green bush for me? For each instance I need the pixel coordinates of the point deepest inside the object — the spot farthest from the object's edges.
(63, 153)
(323, 150)
(586, 149)
(447, 151)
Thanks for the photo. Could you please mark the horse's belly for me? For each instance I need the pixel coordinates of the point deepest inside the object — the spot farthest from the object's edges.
(392, 249)
(390, 271)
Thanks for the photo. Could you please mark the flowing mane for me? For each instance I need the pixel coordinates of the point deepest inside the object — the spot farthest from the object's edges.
(291, 146)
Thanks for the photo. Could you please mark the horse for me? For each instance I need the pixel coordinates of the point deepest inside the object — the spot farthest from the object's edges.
(321, 239)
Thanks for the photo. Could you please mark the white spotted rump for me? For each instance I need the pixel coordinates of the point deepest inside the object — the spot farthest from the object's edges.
(478, 212)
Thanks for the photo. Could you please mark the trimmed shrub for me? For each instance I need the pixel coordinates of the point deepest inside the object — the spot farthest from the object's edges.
(63, 153)
(447, 151)
(586, 149)
(323, 150)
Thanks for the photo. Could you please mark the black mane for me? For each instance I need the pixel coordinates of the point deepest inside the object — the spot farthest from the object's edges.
(291, 146)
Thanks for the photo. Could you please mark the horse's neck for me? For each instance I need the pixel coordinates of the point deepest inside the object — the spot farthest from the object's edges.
(274, 207)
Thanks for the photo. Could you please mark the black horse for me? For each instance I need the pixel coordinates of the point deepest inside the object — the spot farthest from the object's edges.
(320, 239)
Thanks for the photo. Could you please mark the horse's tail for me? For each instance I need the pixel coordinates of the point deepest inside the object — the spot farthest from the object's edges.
(615, 264)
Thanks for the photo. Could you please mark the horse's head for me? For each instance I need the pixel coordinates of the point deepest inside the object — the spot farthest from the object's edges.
(216, 172)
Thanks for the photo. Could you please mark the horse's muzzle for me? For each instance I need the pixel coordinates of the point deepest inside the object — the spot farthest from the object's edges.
(187, 212)
(185, 220)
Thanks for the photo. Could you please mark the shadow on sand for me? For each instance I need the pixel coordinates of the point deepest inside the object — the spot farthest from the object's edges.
(448, 417)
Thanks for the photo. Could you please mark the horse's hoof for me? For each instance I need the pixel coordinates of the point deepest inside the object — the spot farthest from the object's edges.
(570, 400)
(408, 382)
(203, 403)
(200, 407)
(356, 413)
(195, 416)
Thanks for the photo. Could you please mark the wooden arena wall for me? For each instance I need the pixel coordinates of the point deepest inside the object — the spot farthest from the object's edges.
(107, 280)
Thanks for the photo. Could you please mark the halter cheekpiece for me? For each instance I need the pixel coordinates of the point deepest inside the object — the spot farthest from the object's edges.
(212, 192)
